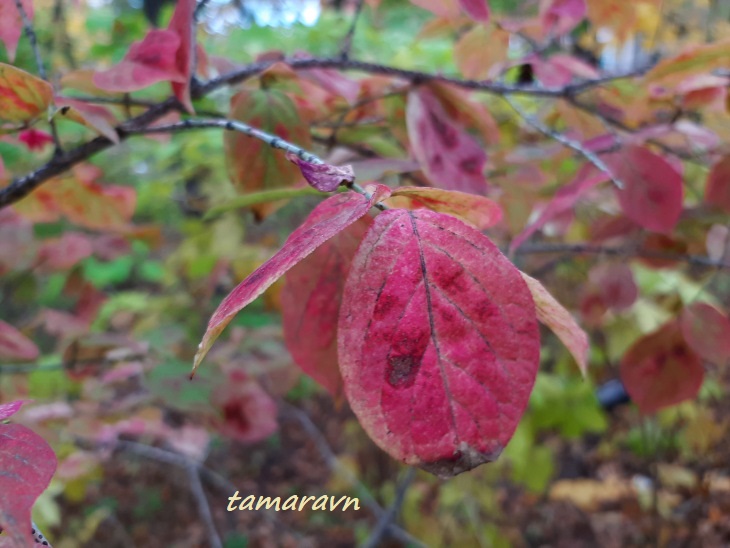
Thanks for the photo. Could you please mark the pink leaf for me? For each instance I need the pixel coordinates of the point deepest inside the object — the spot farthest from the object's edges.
(653, 193)
(7, 410)
(95, 117)
(438, 341)
(564, 200)
(450, 157)
(323, 177)
(615, 284)
(14, 345)
(34, 139)
(147, 62)
(660, 370)
(11, 24)
(328, 219)
(476, 9)
(481, 212)
(718, 185)
(561, 16)
(551, 313)
(310, 305)
(707, 332)
(249, 413)
(58, 254)
(181, 24)
(27, 463)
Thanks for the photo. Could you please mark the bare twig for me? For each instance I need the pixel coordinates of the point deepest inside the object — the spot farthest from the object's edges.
(196, 486)
(563, 140)
(291, 412)
(39, 538)
(199, 9)
(347, 40)
(388, 517)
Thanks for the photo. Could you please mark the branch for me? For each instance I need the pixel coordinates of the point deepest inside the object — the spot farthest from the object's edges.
(381, 528)
(347, 40)
(196, 487)
(569, 143)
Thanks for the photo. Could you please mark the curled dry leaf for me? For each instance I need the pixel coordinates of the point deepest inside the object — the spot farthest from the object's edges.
(438, 341)
(480, 211)
(328, 219)
(554, 315)
(323, 177)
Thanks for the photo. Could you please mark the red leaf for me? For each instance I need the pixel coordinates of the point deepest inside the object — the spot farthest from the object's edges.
(58, 254)
(718, 185)
(152, 60)
(481, 212)
(438, 341)
(35, 140)
(7, 410)
(181, 24)
(249, 413)
(328, 219)
(476, 9)
(11, 24)
(27, 463)
(450, 157)
(323, 177)
(615, 284)
(14, 345)
(707, 332)
(653, 193)
(564, 200)
(660, 369)
(551, 313)
(561, 16)
(310, 305)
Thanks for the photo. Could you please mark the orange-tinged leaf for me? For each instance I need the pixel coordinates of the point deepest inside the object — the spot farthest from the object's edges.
(310, 303)
(252, 164)
(437, 341)
(695, 60)
(14, 345)
(660, 369)
(707, 332)
(717, 192)
(480, 211)
(23, 97)
(11, 24)
(443, 8)
(561, 322)
(328, 219)
(478, 52)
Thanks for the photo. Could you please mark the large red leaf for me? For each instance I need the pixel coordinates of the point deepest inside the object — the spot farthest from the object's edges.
(27, 464)
(717, 192)
(652, 195)
(252, 164)
(310, 305)
(707, 332)
(476, 9)
(438, 341)
(660, 369)
(11, 24)
(551, 313)
(152, 60)
(328, 219)
(181, 24)
(450, 157)
(480, 211)
(14, 345)
(23, 97)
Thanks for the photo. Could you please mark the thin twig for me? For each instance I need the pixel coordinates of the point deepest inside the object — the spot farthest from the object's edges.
(196, 486)
(381, 528)
(328, 455)
(199, 9)
(347, 40)
(563, 140)
(39, 538)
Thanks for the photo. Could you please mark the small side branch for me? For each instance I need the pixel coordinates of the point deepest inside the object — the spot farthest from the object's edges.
(196, 487)
(347, 40)
(388, 517)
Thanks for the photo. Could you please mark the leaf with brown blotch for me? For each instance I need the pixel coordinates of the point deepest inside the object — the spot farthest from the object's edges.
(480, 211)
(310, 305)
(14, 345)
(27, 463)
(23, 97)
(328, 219)
(450, 157)
(438, 341)
(660, 369)
(561, 322)
(707, 332)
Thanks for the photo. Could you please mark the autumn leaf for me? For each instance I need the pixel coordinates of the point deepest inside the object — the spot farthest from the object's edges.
(450, 157)
(23, 97)
(438, 341)
(707, 332)
(554, 315)
(449, 9)
(183, 26)
(11, 24)
(476, 9)
(323, 177)
(248, 412)
(328, 219)
(34, 139)
(252, 164)
(310, 305)
(661, 370)
(14, 345)
(7, 410)
(561, 16)
(717, 192)
(479, 51)
(27, 463)
(480, 211)
(94, 117)
(695, 60)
